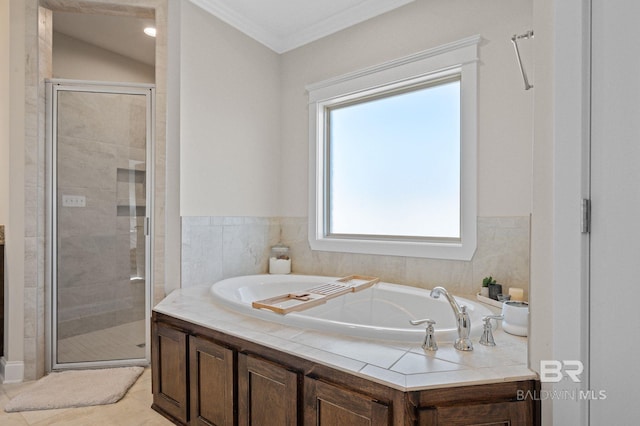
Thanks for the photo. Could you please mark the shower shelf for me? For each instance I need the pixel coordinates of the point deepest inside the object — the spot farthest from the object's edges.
(131, 175)
(132, 211)
(134, 178)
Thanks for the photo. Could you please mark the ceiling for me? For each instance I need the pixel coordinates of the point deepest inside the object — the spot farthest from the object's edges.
(281, 25)
(119, 34)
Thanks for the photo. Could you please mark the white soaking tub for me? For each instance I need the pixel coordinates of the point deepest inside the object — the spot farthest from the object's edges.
(382, 311)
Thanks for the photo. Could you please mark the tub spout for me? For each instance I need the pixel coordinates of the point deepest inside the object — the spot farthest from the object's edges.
(463, 342)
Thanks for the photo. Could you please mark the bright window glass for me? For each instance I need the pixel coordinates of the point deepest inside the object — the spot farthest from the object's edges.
(394, 164)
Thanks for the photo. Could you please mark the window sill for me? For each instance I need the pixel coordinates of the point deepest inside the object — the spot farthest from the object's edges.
(434, 250)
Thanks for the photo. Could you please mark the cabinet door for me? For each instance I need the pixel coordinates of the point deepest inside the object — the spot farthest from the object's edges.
(328, 405)
(210, 383)
(267, 393)
(169, 372)
(517, 413)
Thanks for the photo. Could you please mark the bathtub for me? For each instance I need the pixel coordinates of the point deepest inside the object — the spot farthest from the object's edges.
(382, 311)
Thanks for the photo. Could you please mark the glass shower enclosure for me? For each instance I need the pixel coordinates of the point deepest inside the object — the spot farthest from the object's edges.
(100, 203)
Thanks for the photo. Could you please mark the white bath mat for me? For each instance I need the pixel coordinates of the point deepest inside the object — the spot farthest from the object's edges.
(76, 388)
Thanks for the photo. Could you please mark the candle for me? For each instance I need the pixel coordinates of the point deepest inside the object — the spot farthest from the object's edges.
(516, 293)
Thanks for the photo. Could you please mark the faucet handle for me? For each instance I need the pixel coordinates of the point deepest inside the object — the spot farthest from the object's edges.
(429, 343)
(487, 334)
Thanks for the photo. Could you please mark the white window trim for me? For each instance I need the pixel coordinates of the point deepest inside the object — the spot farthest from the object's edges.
(460, 57)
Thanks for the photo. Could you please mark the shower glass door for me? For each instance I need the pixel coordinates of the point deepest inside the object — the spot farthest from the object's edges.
(101, 186)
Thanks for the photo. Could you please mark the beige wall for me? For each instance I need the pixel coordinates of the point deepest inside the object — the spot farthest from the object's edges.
(542, 220)
(14, 193)
(505, 109)
(241, 156)
(4, 111)
(228, 140)
(229, 120)
(75, 59)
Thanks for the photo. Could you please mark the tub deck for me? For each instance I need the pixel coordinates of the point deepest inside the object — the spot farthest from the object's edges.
(403, 366)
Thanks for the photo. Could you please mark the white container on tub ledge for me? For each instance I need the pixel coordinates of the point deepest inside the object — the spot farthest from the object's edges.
(516, 317)
(279, 260)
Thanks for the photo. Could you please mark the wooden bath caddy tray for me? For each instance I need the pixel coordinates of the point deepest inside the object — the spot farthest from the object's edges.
(317, 295)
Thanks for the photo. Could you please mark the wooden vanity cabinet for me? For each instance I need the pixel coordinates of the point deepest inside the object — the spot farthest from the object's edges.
(205, 377)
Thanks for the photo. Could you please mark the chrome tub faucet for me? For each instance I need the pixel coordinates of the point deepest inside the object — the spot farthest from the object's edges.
(463, 342)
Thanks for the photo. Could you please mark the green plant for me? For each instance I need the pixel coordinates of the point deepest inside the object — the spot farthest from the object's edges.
(487, 281)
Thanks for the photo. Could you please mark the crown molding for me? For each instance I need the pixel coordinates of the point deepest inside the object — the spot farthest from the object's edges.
(280, 44)
(340, 21)
(219, 9)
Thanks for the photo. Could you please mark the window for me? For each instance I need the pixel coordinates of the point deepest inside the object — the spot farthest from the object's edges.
(396, 155)
(393, 157)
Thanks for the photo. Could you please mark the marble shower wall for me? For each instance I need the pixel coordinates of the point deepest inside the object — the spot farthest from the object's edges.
(102, 157)
(214, 248)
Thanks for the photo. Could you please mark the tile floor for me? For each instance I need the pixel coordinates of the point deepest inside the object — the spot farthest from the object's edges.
(132, 410)
(125, 341)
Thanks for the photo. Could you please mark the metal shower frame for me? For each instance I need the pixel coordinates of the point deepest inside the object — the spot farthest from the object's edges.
(52, 87)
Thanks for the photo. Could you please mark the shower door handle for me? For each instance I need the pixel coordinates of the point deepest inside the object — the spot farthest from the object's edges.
(147, 226)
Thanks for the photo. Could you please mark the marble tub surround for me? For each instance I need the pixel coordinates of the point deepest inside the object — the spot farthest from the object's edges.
(401, 366)
(214, 248)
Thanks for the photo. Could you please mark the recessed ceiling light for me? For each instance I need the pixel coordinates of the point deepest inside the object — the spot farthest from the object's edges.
(150, 31)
